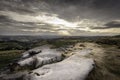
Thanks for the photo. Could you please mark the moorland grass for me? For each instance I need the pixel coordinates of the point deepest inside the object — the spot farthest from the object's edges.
(8, 56)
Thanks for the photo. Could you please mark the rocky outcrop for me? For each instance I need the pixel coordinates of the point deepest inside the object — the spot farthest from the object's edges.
(51, 64)
(76, 67)
(46, 56)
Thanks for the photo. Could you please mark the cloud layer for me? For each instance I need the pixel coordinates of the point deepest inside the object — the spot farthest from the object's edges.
(59, 17)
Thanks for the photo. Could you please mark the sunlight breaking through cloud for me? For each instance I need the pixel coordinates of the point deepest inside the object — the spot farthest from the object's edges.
(44, 22)
(55, 21)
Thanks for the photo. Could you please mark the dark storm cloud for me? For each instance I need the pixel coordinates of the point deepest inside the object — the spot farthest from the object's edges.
(13, 5)
(94, 8)
(23, 6)
(92, 3)
(112, 24)
(4, 19)
(68, 9)
(106, 3)
(100, 28)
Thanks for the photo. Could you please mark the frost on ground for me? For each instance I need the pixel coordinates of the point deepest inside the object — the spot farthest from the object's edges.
(49, 64)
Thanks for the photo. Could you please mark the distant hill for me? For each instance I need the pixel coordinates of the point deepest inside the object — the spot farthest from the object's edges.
(117, 36)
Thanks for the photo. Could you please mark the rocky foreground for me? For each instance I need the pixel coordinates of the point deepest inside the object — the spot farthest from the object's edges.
(43, 63)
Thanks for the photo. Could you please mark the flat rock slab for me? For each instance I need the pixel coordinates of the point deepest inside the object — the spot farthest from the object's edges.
(76, 67)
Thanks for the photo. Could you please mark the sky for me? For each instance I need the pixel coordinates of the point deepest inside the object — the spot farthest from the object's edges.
(60, 17)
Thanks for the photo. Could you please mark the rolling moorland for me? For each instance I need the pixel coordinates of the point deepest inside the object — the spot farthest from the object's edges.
(107, 62)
